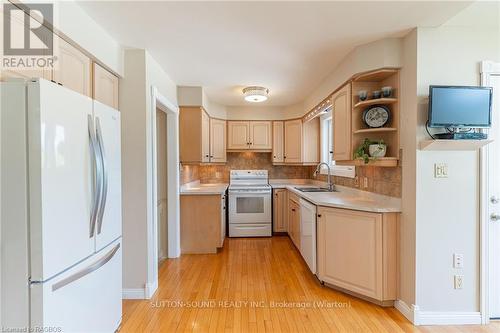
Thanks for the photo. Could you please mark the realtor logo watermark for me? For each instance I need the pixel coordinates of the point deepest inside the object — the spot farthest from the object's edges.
(27, 43)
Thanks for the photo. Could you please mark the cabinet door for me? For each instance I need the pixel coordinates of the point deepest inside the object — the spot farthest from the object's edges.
(260, 135)
(280, 210)
(350, 250)
(72, 68)
(294, 222)
(342, 124)
(223, 220)
(217, 141)
(205, 137)
(293, 141)
(105, 87)
(238, 134)
(278, 138)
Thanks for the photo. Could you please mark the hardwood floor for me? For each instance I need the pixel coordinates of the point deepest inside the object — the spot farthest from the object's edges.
(258, 285)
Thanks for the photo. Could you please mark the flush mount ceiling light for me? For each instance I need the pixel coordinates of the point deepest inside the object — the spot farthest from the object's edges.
(255, 94)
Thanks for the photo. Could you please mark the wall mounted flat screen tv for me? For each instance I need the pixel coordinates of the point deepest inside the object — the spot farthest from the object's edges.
(459, 107)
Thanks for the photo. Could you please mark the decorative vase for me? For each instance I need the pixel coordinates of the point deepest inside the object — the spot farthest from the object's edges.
(377, 150)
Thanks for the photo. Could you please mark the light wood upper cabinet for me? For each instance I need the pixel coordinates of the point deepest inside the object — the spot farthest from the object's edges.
(341, 102)
(105, 86)
(260, 135)
(238, 134)
(293, 141)
(357, 251)
(249, 135)
(278, 138)
(311, 141)
(73, 68)
(194, 135)
(280, 210)
(205, 137)
(217, 140)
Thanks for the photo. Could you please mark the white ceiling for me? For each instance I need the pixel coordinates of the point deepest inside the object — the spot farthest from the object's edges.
(288, 47)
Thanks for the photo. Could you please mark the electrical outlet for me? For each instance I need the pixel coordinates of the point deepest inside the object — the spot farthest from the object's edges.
(459, 281)
(440, 170)
(365, 182)
(458, 260)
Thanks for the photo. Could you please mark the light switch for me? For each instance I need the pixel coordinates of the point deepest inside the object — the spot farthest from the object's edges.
(440, 170)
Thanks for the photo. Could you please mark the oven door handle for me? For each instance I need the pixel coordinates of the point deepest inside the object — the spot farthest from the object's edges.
(250, 192)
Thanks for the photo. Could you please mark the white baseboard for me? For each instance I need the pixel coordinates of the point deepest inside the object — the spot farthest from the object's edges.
(448, 318)
(150, 289)
(406, 310)
(417, 317)
(133, 293)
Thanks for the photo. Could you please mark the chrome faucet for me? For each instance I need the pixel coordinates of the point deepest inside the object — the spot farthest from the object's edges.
(331, 186)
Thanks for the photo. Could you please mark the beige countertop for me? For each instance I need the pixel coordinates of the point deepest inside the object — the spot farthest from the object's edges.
(346, 197)
(196, 188)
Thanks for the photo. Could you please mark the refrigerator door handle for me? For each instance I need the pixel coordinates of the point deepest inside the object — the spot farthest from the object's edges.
(104, 184)
(87, 270)
(96, 178)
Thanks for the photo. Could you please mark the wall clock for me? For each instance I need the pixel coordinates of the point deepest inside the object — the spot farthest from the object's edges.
(376, 116)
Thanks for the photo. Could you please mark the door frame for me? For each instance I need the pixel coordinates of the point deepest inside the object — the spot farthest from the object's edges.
(487, 69)
(160, 102)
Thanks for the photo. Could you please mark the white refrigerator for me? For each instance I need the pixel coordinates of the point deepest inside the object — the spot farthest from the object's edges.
(61, 225)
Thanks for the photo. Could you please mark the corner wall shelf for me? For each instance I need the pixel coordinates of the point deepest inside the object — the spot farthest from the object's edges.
(369, 102)
(453, 145)
(375, 130)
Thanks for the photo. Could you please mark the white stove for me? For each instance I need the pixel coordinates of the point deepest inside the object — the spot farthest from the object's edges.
(249, 204)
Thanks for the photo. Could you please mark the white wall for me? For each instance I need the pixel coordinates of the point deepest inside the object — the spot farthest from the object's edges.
(82, 29)
(141, 72)
(448, 209)
(408, 142)
(382, 53)
(251, 112)
(134, 183)
(196, 96)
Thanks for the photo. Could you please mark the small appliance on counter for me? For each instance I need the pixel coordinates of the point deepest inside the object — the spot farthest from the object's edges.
(250, 212)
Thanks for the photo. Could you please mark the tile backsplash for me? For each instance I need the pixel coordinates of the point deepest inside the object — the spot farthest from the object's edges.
(242, 161)
(385, 181)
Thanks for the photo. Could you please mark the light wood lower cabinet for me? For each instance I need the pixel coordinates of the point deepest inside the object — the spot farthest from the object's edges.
(105, 86)
(357, 251)
(294, 219)
(203, 228)
(280, 210)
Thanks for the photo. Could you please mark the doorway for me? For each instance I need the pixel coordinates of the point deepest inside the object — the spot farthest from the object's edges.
(160, 103)
(490, 201)
(161, 183)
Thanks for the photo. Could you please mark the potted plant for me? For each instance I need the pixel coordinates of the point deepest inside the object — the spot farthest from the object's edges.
(370, 150)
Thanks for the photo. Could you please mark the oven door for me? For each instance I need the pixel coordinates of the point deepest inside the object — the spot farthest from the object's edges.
(249, 206)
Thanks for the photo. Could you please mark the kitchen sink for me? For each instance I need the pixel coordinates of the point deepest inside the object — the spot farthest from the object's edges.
(314, 189)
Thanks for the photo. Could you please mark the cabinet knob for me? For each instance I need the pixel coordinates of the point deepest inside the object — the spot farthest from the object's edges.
(293, 209)
(284, 156)
(319, 215)
(206, 155)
